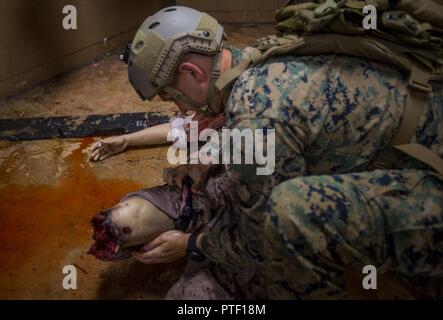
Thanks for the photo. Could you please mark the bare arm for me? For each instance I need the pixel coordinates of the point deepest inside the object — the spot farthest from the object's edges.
(149, 136)
(102, 149)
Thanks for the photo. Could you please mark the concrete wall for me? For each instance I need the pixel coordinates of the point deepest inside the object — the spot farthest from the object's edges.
(237, 11)
(35, 47)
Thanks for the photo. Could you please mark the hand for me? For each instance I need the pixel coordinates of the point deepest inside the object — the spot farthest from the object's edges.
(167, 247)
(197, 172)
(102, 149)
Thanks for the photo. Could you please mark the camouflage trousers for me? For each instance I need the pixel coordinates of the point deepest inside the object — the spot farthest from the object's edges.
(318, 227)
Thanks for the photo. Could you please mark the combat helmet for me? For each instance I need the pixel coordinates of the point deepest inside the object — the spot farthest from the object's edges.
(161, 42)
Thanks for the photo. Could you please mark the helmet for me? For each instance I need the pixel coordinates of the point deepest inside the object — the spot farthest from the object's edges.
(161, 42)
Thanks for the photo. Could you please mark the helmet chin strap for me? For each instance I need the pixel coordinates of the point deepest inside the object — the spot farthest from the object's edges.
(205, 109)
(215, 75)
(193, 105)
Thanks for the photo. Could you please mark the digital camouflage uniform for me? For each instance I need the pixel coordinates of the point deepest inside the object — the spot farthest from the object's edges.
(315, 216)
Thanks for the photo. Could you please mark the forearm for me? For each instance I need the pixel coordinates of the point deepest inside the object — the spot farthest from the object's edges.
(149, 136)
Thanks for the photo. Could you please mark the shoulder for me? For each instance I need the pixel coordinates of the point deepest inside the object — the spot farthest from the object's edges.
(263, 89)
(304, 67)
(289, 80)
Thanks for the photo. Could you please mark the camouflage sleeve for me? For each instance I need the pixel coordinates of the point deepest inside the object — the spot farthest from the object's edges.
(240, 243)
(283, 151)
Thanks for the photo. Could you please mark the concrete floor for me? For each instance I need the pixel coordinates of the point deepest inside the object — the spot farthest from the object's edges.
(49, 192)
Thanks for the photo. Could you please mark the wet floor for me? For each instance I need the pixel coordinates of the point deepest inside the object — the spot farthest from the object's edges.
(46, 227)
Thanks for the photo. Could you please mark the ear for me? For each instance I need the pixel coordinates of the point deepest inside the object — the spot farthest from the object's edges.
(193, 70)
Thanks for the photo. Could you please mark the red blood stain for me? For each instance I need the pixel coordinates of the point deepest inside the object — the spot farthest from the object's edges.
(40, 224)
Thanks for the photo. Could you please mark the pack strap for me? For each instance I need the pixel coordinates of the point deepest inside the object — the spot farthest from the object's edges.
(255, 56)
(415, 105)
(423, 154)
(234, 73)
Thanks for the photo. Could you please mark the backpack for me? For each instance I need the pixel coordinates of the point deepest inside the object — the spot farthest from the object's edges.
(408, 34)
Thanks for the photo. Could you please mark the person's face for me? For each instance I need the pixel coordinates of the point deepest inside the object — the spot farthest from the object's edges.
(183, 108)
(192, 81)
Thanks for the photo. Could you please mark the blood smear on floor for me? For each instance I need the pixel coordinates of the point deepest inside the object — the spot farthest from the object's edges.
(41, 225)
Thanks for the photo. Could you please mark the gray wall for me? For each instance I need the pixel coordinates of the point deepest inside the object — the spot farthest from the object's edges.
(35, 47)
(237, 11)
